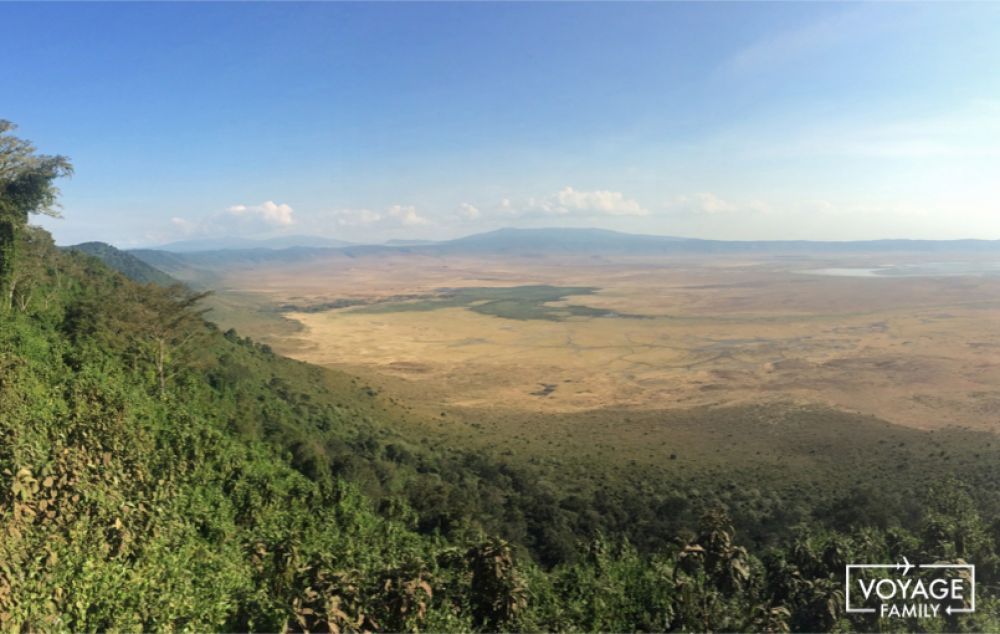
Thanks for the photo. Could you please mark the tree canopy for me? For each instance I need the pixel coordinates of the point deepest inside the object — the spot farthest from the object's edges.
(27, 186)
(27, 177)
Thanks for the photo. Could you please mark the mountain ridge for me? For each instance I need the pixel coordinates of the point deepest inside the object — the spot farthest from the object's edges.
(560, 241)
(239, 244)
(124, 262)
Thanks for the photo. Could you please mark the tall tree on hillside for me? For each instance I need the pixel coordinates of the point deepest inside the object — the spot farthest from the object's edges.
(158, 329)
(172, 328)
(26, 187)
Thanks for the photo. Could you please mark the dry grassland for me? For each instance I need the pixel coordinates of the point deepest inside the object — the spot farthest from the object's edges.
(922, 352)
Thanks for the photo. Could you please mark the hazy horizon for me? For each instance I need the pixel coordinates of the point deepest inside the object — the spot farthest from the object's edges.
(300, 239)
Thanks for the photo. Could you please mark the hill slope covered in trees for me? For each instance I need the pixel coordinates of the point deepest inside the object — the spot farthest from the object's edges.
(157, 473)
(125, 263)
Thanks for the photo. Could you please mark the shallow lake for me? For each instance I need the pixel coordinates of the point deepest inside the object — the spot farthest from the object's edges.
(926, 269)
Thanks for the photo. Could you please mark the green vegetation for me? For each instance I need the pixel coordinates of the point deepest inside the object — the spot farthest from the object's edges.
(509, 302)
(128, 265)
(26, 187)
(158, 474)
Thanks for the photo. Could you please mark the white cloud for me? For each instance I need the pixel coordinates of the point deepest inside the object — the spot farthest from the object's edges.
(268, 212)
(184, 226)
(603, 201)
(237, 220)
(407, 215)
(469, 211)
(356, 217)
(571, 202)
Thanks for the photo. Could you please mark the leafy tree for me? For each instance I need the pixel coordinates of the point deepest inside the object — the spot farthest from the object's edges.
(26, 187)
(159, 328)
(172, 328)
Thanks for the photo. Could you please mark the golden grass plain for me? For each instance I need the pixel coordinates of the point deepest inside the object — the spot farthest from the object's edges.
(917, 351)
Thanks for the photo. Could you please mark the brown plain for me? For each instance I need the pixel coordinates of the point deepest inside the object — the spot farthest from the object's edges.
(917, 351)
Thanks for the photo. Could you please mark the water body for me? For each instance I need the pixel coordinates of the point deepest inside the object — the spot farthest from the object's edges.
(924, 269)
(838, 272)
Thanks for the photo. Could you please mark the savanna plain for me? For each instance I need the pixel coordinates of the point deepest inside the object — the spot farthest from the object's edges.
(776, 382)
(912, 343)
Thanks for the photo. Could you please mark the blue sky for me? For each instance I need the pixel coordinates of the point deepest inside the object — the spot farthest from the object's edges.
(375, 121)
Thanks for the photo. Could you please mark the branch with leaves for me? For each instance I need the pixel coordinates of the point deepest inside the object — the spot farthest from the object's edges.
(26, 187)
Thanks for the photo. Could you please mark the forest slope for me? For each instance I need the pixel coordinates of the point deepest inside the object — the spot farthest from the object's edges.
(156, 473)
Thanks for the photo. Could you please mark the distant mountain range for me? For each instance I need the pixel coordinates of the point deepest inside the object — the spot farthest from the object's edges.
(601, 241)
(231, 244)
(560, 240)
(204, 268)
(409, 243)
(193, 260)
(555, 240)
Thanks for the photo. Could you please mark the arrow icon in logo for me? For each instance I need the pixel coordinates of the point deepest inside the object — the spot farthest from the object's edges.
(905, 566)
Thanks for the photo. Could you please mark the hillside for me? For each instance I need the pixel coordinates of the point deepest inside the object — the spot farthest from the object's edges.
(203, 265)
(156, 473)
(218, 487)
(125, 263)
